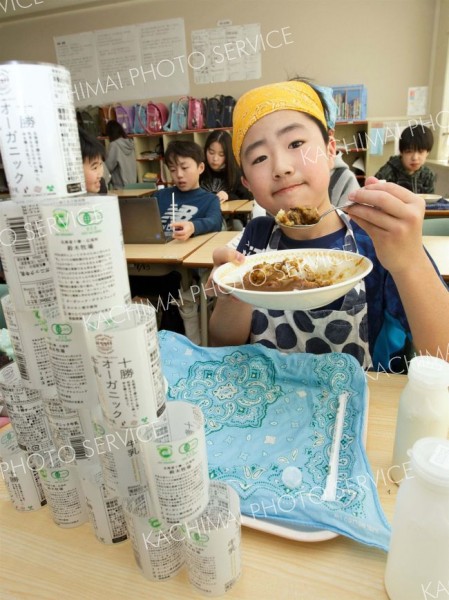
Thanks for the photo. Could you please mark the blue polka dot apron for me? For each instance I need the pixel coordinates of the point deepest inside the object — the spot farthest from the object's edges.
(320, 330)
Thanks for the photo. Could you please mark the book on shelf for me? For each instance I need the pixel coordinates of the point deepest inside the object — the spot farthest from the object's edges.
(351, 102)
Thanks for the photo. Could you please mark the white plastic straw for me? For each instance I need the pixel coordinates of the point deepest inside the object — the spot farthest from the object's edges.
(173, 207)
(330, 491)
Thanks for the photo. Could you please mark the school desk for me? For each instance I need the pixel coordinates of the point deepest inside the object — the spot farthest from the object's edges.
(231, 207)
(438, 248)
(132, 193)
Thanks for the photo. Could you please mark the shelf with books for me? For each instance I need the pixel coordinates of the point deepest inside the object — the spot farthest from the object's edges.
(156, 144)
(350, 101)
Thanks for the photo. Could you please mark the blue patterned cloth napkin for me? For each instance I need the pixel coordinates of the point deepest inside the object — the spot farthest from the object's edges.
(275, 425)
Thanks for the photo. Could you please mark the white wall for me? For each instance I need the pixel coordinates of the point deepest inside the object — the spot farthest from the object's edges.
(385, 44)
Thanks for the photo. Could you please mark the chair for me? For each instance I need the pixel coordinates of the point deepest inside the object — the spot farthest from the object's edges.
(436, 226)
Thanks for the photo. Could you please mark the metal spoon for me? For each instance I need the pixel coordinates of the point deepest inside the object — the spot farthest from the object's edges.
(316, 223)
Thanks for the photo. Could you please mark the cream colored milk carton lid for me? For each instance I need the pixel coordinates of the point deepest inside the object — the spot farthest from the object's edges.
(430, 460)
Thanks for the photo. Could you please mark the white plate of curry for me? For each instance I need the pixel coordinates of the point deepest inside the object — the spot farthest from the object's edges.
(293, 279)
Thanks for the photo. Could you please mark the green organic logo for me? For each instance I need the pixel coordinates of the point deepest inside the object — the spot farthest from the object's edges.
(61, 218)
(43, 473)
(60, 475)
(155, 523)
(89, 217)
(199, 538)
(7, 437)
(165, 451)
(61, 329)
(188, 446)
(99, 429)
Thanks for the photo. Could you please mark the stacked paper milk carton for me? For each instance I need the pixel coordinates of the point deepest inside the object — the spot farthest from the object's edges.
(92, 434)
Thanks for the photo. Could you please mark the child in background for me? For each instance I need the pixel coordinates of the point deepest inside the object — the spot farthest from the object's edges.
(281, 140)
(222, 175)
(196, 210)
(408, 169)
(121, 156)
(93, 155)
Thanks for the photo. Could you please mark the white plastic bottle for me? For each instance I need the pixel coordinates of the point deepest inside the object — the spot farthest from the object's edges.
(418, 558)
(423, 409)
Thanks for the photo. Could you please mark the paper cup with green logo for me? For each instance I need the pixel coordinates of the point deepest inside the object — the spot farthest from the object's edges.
(157, 547)
(177, 469)
(22, 482)
(72, 367)
(65, 496)
(26, 411)
(40, 144)
(124, 350)
(104, 509)
(28, 334)
(85, 247)
(212, 543)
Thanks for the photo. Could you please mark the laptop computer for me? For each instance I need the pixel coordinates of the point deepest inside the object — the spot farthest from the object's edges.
(141, 221)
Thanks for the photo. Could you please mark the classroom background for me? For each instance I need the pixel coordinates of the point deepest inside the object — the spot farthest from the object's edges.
(389, 46)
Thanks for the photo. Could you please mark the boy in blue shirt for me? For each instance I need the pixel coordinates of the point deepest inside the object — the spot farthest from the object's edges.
(196, 211)
(281, 140)
(193, 212)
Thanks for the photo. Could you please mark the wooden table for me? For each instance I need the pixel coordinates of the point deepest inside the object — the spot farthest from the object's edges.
(202, 256)
(438, 248)
(172, 252)
(231, 207)
(40, 561)
(437, 213)
(160, 259)
(245, 209)
(135, 193)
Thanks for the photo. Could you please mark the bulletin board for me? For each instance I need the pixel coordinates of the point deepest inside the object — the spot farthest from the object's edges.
(227, 53)
(146, 60)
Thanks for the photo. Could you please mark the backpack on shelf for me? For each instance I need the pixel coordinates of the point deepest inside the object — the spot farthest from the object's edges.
(140, 118)
(212, 111)
(125, 116)
(157, 115)
(227, 108)
(195, 114)
(90, 119)
(177, 119)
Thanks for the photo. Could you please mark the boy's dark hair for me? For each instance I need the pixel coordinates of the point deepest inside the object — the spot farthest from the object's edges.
(230, 166)
(416, 137)
(91, 148)
(180, 149)
(323, 129)
(114, 130)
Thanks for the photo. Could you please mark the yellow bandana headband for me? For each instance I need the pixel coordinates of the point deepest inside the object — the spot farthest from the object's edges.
(261, 101)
